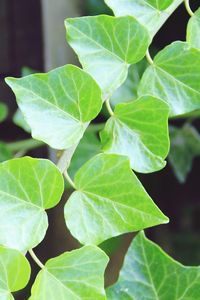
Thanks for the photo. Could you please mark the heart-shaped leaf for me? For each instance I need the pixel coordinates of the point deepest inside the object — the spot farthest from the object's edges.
(174, 77)
(27, 187)
(193, 30)
(58, 105)
(109, 201)
(139, 129)
(151, 13)
(149, 273)
(185, 146)
(14, 274)
(106, 46)
(74, 275)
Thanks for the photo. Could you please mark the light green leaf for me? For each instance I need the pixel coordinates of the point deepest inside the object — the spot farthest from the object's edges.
(5, 152)
(3, 112)
(151, 13)
(19, 120)
(174, 77)
(139, 130)
(128, 91)
(58, 105)
(75, 275)
(109, 201)
(185, 146)
(149, 273)
(88, 147)
(106, 46)
(27, 187)
(15, 272)
(193, 30)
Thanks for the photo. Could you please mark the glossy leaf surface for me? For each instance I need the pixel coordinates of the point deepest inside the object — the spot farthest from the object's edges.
(109, 201)
(139, 130)
(149, 273)
(174, 77)
(73, 275)
(106, 46)
(27, 187)
(58, 105)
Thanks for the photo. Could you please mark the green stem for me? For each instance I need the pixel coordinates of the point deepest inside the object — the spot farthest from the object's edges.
(69, 179)
(109, 108)
(36, 259)
(24, 145)
(95, 127)
(148, 57)
(188, 8)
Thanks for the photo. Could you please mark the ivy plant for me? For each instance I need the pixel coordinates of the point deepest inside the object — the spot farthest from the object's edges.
(142, 94)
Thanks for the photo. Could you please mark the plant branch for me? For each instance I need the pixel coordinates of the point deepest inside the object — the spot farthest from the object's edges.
(109, 108)
(148, 57)
(188, 8)
(36, 259)
(69, 179)
(24, 145)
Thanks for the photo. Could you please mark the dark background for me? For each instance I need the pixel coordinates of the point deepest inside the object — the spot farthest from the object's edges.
(22, 45)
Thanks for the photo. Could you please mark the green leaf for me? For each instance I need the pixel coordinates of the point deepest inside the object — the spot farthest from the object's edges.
(128, 91)
(193, 30)
(149, 273)
(88, 147)
(58, 105)
(74, 275)
(174, 77)
(19, 120)
(106, 46)
(5, 152)
(109, 201)
(27, 187)
(185, 146)
(3, 112)
(139, 130)
(151, 13)
(15, 272)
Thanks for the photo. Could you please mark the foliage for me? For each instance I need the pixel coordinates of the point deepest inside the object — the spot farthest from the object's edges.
(109, 200)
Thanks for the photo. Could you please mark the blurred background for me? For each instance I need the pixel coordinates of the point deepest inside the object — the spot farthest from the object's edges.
(33, 39)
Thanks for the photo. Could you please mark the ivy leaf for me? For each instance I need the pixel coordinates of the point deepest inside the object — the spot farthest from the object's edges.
(3, 112)
(151, 13)
(193, 30)
(15, 272)
(109, 201)
(128, 91)
(58, 105)
(139, 130)
(185, 146)
(19, 120)
(149, 271)
(74, 275)
(27, 187)
(106, 46)
(174, 77)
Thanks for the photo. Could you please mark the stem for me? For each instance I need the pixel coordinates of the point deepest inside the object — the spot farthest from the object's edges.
(96, 127)
(69, 179)
(148, 57)
(24, 145)
(20, 153)
(188, 8)
(64, 161)
(36, 259)
(109, 108)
